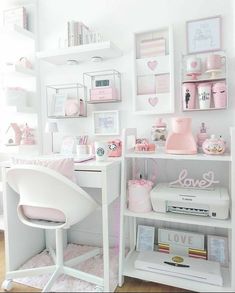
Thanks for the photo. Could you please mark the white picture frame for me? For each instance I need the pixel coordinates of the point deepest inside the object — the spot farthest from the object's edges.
(145, 238)
(68, 145)
(217, 249)
(58, 105)
(204, 35)
(105, 122)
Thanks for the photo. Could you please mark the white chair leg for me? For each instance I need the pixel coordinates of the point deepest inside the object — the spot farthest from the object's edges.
(51, 282)
(81, 258)
(52, 254)
(30, 272)
(84, 276)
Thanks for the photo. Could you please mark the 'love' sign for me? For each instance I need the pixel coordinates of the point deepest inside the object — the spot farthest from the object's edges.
(208, 179)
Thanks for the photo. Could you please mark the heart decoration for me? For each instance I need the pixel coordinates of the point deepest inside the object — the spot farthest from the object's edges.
(153, 101)
(194, 64)
(152, 65)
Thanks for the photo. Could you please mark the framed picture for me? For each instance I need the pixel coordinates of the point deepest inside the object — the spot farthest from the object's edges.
(217, 247)
(204, 35)
(68, 145)
(106, 122)
(145, 238)
(58, 105)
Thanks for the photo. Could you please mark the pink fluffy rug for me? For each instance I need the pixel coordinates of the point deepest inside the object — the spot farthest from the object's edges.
(66, 283)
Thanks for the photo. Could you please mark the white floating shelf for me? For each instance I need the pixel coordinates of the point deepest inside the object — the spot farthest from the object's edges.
(130, 271)
(210, 109)
(21, 109)
(19, 71)
(204, 79)
(16, 33)
(1, 223)
(82, 53)
(181, 218)
(196, 157)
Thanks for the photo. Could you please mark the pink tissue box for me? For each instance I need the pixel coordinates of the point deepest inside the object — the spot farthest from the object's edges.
(100, 94)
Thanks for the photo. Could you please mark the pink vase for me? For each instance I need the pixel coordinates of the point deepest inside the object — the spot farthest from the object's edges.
(220, 94)
(188, 95)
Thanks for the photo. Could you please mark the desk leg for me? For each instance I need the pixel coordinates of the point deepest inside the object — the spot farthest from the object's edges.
(105, 220)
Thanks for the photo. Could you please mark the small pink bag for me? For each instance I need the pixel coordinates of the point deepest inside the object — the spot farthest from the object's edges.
(115, 148)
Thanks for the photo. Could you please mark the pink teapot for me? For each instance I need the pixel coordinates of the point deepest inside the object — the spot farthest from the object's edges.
(214, 146)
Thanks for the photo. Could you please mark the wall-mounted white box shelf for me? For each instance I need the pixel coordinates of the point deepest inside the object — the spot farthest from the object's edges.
(103, 86)
(82, 53)
(190, 82)
(154, 72)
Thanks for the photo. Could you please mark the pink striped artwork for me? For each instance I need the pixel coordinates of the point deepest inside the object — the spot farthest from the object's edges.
(162, 83)
(153, 47)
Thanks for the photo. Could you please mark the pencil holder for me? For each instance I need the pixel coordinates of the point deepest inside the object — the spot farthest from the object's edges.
(139, 198)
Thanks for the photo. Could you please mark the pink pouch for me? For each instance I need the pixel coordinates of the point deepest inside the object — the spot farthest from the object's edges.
(115, 148)
(139, 198)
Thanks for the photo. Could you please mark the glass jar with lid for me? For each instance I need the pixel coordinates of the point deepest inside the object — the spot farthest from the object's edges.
(159, 131)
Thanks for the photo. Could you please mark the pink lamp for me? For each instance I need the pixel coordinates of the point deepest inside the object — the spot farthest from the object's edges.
(181, 140)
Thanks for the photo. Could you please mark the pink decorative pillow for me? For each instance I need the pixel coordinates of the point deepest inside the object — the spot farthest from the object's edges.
(64, 166)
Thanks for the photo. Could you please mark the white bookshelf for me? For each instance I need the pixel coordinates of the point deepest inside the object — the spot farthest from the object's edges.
(82, 53)
(181, 219)
(227, 227)
(162, 155)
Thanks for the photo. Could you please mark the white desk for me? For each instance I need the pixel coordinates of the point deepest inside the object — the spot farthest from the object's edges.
(23, 242)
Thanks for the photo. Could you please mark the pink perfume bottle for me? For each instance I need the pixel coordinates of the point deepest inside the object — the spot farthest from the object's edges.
(202, 135)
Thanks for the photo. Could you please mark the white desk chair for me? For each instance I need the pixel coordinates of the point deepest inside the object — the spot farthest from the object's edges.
(49, 200)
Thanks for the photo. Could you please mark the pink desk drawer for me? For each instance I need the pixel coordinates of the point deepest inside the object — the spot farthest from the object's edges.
(103, 94)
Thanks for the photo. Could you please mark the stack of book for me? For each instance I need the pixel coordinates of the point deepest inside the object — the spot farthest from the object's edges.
(77, 33)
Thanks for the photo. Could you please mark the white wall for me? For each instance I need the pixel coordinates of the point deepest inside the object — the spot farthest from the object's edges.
(117, 20)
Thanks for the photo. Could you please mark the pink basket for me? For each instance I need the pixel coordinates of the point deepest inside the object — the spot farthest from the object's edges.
(139, 198)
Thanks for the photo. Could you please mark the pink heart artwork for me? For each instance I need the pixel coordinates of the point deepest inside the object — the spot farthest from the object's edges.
(194, 64)
(152, 64)
(153, 101)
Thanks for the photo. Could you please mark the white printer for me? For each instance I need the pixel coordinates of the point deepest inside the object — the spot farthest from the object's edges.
(212, 202)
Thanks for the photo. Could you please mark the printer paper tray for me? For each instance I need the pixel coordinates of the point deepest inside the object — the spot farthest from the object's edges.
(188, 210)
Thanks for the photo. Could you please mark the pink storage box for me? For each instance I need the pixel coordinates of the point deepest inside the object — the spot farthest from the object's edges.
(139, 198)
(100, 94)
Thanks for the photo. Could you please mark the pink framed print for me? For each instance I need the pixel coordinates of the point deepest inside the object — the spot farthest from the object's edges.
(204, 35)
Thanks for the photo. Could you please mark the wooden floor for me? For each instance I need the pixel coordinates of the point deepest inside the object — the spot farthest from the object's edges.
(131, 285)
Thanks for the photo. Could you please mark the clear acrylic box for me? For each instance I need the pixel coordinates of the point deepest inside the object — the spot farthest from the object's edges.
(103, 86)
(66, 101)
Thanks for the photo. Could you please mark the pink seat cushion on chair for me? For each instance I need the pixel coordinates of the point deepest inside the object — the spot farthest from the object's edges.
(46, 214)
(64, 166)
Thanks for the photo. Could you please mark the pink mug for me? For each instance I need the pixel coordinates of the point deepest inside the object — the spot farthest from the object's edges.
(214, 62)
(188, 95)
(219, 91)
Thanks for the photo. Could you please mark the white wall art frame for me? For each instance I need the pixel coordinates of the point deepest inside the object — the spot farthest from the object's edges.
(145, 238)
(106, 122)
(204, 35)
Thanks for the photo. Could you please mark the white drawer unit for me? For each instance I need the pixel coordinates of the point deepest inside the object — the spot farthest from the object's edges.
(90, 179)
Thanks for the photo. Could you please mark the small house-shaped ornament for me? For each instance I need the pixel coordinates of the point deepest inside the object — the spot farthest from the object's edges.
(13, 135)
